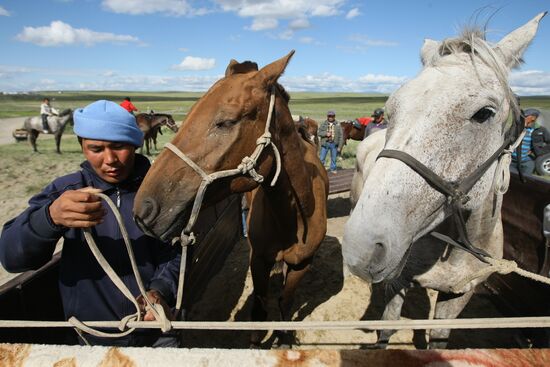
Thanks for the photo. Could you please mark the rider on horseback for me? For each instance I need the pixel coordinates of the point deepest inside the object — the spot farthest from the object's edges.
(45, 111)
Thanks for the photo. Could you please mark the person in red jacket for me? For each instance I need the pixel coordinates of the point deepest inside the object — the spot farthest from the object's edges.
(128, 105)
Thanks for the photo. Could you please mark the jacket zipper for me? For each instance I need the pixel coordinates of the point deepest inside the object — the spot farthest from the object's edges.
(118, 197)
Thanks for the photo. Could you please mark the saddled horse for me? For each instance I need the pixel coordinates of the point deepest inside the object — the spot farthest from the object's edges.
(240, 137)
(310, 125)
(351, 131)
(443, 168)
(57, 124)
(150, 124)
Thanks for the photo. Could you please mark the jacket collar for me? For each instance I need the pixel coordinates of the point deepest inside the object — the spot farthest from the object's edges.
(141, 166)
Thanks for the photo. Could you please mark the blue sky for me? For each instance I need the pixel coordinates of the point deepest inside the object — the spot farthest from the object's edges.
(184, 45)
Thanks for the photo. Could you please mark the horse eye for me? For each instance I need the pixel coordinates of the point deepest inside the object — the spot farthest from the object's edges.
(225, 123)
(483, 115)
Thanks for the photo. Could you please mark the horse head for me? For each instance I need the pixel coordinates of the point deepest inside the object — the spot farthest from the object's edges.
(452, 118)
(221, 130)
(170, 123)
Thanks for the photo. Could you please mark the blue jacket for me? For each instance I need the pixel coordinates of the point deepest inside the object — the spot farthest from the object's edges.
(28, 241)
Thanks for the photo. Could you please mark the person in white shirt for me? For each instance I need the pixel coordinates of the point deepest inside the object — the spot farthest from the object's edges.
(45, 111)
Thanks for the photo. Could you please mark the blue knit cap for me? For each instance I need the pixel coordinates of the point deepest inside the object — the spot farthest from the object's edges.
(106, 120)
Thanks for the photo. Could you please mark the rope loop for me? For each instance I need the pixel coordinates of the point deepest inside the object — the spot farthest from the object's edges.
(247, 167)
(264, 139)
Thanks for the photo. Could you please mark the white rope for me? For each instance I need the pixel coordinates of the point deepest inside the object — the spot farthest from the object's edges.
(156, 309)
(473, 323)
(501, 266)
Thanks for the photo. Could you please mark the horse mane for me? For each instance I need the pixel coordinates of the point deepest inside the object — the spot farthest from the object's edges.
(304, 134)
(65, 112)
(472, 42)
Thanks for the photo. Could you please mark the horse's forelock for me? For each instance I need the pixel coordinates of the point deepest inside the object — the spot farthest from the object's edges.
(472, 42)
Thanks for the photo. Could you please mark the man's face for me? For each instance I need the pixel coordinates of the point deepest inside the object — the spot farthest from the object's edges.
(112, 161)
(530, 120)
(379, 118)
(331, 117)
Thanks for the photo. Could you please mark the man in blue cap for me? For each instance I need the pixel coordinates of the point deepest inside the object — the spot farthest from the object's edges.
(109, 137)
(533, 144)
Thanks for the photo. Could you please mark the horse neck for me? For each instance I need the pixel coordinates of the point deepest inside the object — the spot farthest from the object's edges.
(294, 180)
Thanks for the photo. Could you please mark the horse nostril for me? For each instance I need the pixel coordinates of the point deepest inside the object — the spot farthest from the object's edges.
(148, 211)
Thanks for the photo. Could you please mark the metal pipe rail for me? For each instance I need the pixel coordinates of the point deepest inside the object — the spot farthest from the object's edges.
(473, 323)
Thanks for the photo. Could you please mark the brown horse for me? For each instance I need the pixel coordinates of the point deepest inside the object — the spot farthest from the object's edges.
(350, 131)
(310, 125)
(150, 124)
(223, 131)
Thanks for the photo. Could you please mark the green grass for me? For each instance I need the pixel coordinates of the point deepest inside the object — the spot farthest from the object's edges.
(314, 105)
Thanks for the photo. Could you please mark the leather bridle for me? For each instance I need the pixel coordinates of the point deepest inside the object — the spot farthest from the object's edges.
(456, 193)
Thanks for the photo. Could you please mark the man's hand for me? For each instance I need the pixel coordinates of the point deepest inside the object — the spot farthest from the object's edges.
(77, 209)
(155, 298)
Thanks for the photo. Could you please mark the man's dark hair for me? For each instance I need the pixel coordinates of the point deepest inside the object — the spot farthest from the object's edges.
(127, 99)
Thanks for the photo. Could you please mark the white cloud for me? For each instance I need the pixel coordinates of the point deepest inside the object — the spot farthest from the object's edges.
(195, 63)
(4, 12)
(366, 41)
(301, 23)
(261, 24)
(59, 33)
(282, 9)
(530, 82)
(307, 40)
(286, 35)
(135, 7)
(353, 13)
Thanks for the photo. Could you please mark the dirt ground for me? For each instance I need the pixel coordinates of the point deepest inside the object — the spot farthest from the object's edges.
(327, 292)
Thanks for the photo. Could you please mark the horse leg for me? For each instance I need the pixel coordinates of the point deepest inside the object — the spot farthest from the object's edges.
(449, 307)
(260, 270)
(293, 274)
(58, 143)
(392, 311)
(31, 137)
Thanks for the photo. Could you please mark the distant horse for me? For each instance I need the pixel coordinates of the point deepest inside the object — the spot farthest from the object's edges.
(240, 137)
(444, 167)
(57, 124)
(350, 130)
(310, 125)
(150, 124)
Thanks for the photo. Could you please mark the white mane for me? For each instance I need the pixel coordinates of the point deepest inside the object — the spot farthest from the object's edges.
(473, 43)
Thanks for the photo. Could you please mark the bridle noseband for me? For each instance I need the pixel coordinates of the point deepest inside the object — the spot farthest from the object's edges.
(456, 193)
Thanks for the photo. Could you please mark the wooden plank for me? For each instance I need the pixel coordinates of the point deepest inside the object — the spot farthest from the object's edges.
(341, 181)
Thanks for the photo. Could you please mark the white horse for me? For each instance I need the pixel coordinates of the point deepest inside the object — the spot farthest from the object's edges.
(444, 167)
(57, 124)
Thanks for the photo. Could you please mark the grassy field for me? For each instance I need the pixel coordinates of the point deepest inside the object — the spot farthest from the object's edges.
(315, 105)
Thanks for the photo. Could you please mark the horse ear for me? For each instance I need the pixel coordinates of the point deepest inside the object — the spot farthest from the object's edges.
(235, 67)
(429, 51)
(513, 45)
(269, 74)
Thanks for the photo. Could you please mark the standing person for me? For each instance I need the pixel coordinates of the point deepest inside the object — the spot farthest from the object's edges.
(45, 111)
(378, 122)
(128, 105)
(109, 137)
(332, 139)
(531, 143)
